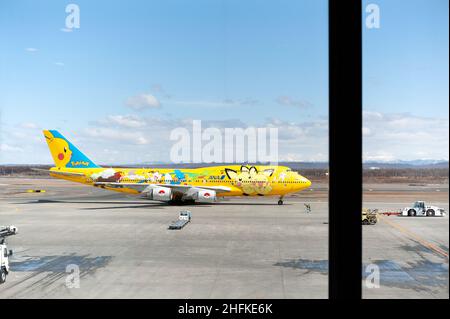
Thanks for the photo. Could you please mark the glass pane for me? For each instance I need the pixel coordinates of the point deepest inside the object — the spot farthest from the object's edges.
(405, 136)
(209, 116)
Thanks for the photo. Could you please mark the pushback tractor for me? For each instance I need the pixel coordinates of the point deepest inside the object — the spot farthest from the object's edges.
(5, 231)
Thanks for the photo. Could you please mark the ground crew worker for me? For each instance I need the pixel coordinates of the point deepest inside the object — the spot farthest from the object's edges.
(308, 208)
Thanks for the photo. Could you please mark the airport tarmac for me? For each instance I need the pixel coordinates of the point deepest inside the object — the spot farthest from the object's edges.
(238, 248)
(410, 253)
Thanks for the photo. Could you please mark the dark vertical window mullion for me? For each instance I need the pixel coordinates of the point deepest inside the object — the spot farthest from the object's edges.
(345, 149)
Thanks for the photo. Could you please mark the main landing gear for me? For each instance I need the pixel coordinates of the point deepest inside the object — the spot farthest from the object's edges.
(280, 202)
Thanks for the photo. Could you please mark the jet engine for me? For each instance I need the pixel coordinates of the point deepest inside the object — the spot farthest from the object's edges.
(205, 196)
(163, 194)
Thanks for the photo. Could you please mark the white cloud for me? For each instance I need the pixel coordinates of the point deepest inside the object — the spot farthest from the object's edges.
(10, 148)
(214, 104)
(130, 121)
(142, 101)
(303, 141)
(366, 131)
(29, 125)
(200, 103)
(137, 139)
(368, 115)
(249, 101)
(289, 101)
(403, 136)
(59, 63)
(125, 138)
(115, 135)
(378, 156)
(31, 49)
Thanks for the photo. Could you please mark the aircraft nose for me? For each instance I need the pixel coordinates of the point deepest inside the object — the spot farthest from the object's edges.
(305, 183)
(308, 182)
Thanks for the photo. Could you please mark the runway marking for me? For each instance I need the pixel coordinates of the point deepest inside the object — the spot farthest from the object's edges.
(415, 236)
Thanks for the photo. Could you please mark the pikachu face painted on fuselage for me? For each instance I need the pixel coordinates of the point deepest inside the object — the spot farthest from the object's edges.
(242, 179)
(262, 184)
(59, 148)
(250, 181)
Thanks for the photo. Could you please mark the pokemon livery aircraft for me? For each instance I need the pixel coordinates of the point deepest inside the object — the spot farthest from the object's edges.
(173, 185)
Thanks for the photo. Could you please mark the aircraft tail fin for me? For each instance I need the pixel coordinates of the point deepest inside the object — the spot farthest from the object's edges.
(64, 153)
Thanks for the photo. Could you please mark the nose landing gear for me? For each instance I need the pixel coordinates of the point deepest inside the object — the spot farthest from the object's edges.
(280, 202)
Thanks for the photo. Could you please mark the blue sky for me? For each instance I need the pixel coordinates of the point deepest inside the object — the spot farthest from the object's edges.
(405, 81)
(131, 73)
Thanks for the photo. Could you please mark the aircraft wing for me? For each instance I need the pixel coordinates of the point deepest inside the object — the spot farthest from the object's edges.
(184, 188)
(140, 187)
(58, 172)
(189, 191)
(143, 188)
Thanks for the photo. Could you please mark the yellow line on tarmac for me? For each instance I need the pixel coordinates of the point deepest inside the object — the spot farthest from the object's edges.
(415, 236)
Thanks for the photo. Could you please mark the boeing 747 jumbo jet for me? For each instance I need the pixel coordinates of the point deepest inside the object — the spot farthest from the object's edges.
(173, 185)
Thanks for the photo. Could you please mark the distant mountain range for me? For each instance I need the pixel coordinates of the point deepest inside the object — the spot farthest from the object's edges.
(417, 164)
(408, 164)
(318, 165)
(293, 165)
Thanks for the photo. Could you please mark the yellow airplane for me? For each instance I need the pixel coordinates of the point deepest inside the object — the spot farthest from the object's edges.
(173, 185)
